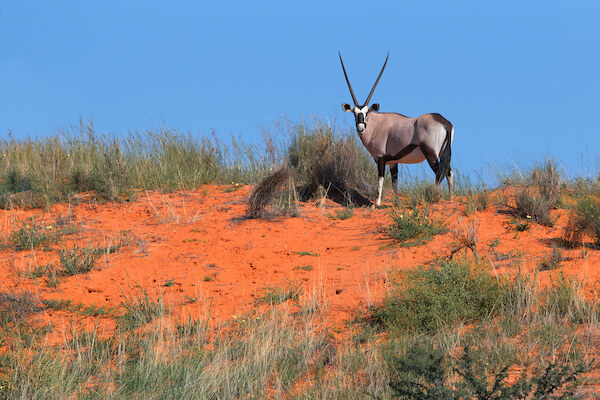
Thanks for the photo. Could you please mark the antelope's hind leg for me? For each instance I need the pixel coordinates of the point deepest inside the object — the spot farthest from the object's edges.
(432, 160)
(394, 173)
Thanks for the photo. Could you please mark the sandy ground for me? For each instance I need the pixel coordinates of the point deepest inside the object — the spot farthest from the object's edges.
(193, 249)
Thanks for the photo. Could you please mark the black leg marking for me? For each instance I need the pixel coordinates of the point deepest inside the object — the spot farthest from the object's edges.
(394, 172)
(381, 167)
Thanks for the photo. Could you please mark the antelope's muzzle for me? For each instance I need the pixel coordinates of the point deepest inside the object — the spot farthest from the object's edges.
(360, 123)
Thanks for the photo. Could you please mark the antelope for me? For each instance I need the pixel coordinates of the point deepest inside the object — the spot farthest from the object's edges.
(393, 138)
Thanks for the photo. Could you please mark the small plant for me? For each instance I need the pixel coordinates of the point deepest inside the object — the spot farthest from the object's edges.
(520, 225)
(306, 253)
(58, 305)
(208, 278)
(78, 261)
(465, 237)
(266, 193)
(169, 283)
(274, 295)
(304, 267)
(342, 214)
(551, 260)
(413, 227)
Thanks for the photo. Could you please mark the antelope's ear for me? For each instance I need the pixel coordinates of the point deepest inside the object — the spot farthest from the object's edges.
(346, 107)
(374, 107)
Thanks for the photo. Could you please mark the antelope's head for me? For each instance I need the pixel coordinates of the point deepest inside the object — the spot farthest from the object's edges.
(361, 113)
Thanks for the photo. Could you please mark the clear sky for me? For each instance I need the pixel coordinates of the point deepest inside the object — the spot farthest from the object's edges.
(518, 79)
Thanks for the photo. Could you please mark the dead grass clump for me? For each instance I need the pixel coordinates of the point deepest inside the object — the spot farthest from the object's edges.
(465, 236)
(539, 194)
(267, 192)
(322, 159)
(584, 220)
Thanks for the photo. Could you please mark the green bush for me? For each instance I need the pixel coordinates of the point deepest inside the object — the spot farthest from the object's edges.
(452, 292)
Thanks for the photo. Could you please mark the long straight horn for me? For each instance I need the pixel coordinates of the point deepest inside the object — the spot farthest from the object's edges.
(377, 81)
(347, 81)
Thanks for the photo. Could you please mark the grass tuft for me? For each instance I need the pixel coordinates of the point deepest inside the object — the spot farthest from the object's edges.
(413, 227)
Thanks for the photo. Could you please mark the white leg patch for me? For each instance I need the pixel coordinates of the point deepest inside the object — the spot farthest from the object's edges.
(379, 190)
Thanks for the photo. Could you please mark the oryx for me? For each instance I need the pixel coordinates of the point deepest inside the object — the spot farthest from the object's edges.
(393, 138)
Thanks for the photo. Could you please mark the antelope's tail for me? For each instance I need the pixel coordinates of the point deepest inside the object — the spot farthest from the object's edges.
(445, 156)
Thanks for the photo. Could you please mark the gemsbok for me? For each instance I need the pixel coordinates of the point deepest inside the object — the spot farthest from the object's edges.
(393, 138)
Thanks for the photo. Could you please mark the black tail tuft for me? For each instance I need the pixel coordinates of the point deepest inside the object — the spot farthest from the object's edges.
(444, 166)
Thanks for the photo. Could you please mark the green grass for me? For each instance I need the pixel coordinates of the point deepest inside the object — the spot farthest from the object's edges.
(306, 253)
(303, 267)
(412, 227)
(78, 260)
(32, 234)
(274, 295)
(139, 309)
(346, 213)
(82, 309)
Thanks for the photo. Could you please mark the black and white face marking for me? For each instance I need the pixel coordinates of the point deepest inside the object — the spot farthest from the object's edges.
(361, 115)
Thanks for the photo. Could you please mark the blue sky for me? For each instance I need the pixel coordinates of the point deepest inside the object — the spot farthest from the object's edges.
(519, 80)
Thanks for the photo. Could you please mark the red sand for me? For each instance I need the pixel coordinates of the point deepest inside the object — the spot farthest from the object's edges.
(215, 265)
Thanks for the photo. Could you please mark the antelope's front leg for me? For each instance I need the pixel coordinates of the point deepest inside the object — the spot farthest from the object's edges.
(381, 172)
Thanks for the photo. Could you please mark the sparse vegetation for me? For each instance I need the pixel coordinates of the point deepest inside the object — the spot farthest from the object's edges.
(32, 234)
(551, 260)
(423, 193)
(78, 260)
(274, 295)
(346, 213)
(413, 227)
(306, 253)
(454, 328)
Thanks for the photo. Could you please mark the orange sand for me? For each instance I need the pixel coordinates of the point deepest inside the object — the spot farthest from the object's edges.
(216, 264)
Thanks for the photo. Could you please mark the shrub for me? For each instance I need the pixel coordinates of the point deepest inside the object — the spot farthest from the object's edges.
(424, 372)
(453, 291)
